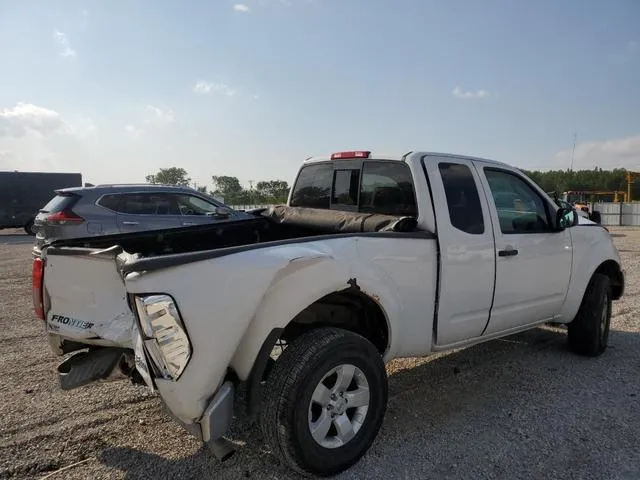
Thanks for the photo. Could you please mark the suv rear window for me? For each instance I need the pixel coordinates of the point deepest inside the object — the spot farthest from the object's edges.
(62, 201)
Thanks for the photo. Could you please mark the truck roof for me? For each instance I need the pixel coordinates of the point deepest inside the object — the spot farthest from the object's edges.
(397, 157)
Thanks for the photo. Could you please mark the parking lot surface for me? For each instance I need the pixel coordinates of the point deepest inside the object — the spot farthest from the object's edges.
(522, 407)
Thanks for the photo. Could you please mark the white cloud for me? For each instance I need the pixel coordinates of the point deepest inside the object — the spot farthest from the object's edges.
(63, 41)
(203, 87)
(132, 130)
(241, 7)
(160, 115)
(468, 94)
(614, 153)
(26, 118)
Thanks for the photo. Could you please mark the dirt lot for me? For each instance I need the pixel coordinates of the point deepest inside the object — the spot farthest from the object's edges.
(521, 407)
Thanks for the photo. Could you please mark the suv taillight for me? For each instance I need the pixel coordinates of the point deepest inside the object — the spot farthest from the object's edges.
(64, 217)
(37, 277)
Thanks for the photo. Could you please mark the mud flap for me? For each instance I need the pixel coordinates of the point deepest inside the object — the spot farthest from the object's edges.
(87, 367)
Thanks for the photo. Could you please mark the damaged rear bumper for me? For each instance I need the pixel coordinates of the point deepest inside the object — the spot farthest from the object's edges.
(86, 367)
(217, 414)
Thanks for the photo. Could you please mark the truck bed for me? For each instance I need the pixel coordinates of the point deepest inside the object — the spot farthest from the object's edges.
(84, 278)
(275, 224)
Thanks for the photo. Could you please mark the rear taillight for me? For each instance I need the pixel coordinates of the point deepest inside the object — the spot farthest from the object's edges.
(64, 217)
(37, 277)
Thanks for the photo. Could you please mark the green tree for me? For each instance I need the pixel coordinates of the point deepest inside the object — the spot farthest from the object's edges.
(585, 180)
(200, 188)
(272, 191)
(170, 176)
(230, 189)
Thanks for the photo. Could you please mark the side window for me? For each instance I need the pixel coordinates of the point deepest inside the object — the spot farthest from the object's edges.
(313, 186)
(148, 204)
(192, 205)
(387, 188)
(520, 208)
(345, 187)
(110, 202)
(463, 201)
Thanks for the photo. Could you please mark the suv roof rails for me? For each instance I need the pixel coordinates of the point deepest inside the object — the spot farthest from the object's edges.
(102, 185)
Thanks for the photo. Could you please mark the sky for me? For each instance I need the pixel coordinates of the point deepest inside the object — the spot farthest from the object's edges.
(116, 89)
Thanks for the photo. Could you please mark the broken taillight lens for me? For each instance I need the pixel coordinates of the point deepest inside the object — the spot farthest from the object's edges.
(37, 277)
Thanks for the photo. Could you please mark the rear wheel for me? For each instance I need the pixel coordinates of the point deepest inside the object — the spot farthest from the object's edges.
(588, 333)
(324, 401)
(29, 227)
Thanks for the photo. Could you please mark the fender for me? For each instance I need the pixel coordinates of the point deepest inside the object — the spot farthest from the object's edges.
(590, 250)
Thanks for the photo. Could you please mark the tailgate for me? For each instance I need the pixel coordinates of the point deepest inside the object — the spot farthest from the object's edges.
(85, 296)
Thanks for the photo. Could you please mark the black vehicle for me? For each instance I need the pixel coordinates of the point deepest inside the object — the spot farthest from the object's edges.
(23, 194)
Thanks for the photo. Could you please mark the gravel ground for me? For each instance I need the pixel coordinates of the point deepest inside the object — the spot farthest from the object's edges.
(520, 407)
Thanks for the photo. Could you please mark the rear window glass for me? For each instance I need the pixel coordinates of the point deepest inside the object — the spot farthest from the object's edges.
(313, 187)
(110, 202)
(387, 188)
(148, 204)
(59, 203)
(345, 187)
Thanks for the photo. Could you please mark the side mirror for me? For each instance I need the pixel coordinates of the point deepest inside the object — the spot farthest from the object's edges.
(566, 218)
(220, 212)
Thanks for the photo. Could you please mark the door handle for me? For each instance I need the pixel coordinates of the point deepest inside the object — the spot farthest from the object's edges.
(507, 253)
(188, 224)
(130, 223)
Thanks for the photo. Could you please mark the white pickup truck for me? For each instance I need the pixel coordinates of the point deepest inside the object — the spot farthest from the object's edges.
(374, 257)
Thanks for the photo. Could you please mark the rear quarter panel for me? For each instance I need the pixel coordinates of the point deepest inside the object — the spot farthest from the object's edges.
(230, 304)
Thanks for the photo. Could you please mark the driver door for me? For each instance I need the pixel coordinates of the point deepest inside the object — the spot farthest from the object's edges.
(533, 262)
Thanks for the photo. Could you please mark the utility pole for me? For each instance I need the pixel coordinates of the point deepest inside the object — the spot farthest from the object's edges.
(573, 151)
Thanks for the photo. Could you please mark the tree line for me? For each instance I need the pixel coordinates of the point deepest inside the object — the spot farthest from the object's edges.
(596, 179)
(226, 187)
(276, 191)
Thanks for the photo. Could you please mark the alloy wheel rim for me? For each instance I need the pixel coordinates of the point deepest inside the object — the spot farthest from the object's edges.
(339, 406)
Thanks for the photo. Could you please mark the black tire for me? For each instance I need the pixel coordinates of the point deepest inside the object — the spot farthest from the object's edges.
(588, 333)
(284, 416)
(28, 228)
(596, 217)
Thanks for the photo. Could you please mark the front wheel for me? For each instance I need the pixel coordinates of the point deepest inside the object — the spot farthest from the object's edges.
(324, 401)
(588, 332)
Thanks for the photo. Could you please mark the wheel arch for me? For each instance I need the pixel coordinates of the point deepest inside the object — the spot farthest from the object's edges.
(609, 267)
(348, 307)
(612, 269)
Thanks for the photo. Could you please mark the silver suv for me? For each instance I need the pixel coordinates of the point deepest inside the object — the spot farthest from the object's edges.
(110, 209)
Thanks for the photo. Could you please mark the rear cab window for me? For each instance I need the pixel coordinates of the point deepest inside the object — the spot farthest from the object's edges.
(368, 186)
(313, 186)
